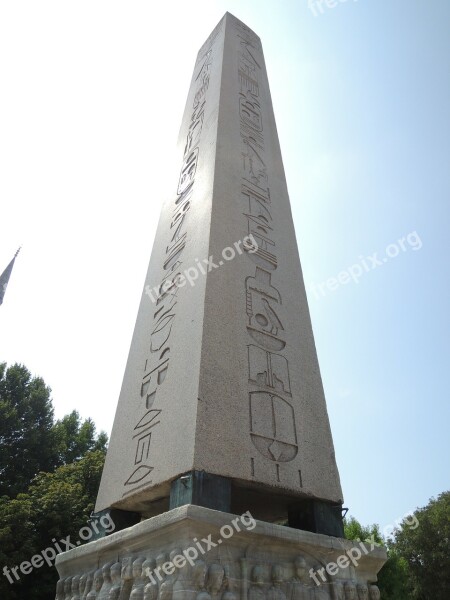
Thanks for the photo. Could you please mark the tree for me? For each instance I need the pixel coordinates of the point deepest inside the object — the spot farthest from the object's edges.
(49, 477)
(30, 440)
(426, 548)
(55, 506)
(353, 530)
(74, 438)
(393, 579)
(26, 423)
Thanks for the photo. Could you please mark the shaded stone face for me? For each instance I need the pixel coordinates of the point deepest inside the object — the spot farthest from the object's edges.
(215, 578)
(68, 586)
(137, 568)
(127, 570)
(83, 582)
(374, 593)
(363, 592)
(199, 573)
(60, 589)
(277, 574)
(148, 566)
(161, 559)
(106, 571)
(165, 590)
(235, 327)
(300, 567)
(98, 580)
(350, 591)
(116, 571)
(258, 576)
(75, 584)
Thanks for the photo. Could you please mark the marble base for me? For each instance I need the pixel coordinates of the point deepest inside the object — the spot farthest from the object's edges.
(195, 553)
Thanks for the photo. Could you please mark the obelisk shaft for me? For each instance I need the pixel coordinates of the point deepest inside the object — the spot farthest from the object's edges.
(222, 375)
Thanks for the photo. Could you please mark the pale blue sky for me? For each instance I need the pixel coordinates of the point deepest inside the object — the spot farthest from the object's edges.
(362, 101)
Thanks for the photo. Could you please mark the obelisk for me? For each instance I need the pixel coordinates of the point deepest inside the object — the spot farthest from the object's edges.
(222, 404)
(222, 376)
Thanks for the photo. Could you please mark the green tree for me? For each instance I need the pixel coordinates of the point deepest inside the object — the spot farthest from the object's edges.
(393, 579)
(49, 477)
(426, 549)
(353, 530)
(55, 506)
(30, 440)
(73, 438)
(26, 428)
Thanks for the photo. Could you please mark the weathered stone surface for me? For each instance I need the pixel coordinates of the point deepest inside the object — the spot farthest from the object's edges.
(222, 375)
(253, 561)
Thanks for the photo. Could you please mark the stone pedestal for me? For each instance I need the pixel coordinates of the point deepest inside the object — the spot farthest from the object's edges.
(195, 553)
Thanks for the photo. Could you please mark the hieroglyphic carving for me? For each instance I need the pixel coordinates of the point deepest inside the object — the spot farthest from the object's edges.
(248, 69)
(253, 163)
(250, 112)
(209, 42)
(263, 303)
(272, 416)
(245, 33)
(157, 363)
(259, 230)
(268, 369)
(272, 425)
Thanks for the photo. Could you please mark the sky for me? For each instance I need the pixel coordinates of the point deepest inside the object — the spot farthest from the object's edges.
(361, 93)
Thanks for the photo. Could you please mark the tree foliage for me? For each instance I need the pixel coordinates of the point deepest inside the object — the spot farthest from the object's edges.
(418, 565)
(30, 440)
(49, 477)
(73, 438)
(55, 506)
(353, 530)
(426, 549)
(26, 422)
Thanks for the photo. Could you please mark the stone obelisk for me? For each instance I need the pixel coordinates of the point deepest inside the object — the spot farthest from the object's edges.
(222, 405)
(222, 376)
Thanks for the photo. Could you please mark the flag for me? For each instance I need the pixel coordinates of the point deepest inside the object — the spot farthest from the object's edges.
(4, 277)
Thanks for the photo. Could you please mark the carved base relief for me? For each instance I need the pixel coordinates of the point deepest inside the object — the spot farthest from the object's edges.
(268, 562)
